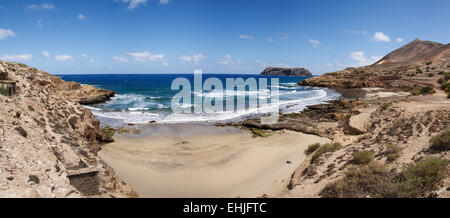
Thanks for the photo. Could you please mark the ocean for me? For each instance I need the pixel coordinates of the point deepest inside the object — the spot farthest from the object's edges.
(144, 98)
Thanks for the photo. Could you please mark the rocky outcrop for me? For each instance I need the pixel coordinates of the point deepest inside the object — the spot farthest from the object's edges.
(49, 142)
(415, 65)
(83, 94)
(276, 71)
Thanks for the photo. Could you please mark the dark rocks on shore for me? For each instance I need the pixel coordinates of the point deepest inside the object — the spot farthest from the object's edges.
(277, 71)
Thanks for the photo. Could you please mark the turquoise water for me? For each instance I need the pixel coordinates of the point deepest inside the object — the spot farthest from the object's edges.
(147, 98)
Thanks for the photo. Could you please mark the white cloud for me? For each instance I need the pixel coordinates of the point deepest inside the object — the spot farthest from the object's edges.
(358, 56)
(146, 56)
(132, 4)
(362, 60)
(314, 43)
(64, 58)
(192, 59)
(381, 37)
(399, 40)
(165, 64)
(81, 17)
(43, 6)
(5, 33)
(84, 56)
(46, 54)
(91, 61)
(121, 59)
(20, 57)
(163, 2)
(246, 37)
(228, 60)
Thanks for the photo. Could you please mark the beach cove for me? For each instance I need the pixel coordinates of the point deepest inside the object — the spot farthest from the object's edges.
(201, 160)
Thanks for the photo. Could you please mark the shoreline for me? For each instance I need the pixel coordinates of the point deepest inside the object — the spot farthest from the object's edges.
(234, 164)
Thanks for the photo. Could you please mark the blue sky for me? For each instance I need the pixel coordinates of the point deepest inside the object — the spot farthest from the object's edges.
(218, 36)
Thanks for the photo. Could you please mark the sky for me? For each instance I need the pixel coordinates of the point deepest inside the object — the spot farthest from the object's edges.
(217, 36)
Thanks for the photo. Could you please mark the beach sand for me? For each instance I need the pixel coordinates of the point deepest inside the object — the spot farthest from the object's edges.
(189, 160)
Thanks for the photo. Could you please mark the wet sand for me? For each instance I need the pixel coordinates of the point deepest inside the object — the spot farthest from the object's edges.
(181, 160)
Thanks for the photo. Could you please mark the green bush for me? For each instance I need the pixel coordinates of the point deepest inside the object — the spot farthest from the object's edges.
(441, 142)
(407, 88)
(427, 90)
(358, 182)
(312, 148)
(375, 180)
(441, 81)
(430, 75)
(429, 62)
(441, 73)
(421, 177)
(330, 147)
(259, 132)
(418, 70)
(445, 87)
(109, 131)
(447, 76)
(362, 157)
(392, 152)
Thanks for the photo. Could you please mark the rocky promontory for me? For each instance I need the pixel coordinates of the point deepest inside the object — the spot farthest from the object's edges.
(48, 141)
(277, 71)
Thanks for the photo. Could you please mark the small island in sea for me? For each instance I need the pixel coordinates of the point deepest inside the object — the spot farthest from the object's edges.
(105, 120)
(277, 71)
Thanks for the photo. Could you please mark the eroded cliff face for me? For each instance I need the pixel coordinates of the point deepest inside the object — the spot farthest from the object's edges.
(49, 142)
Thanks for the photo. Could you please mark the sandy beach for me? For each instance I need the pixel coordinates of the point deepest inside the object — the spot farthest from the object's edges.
(187, 160)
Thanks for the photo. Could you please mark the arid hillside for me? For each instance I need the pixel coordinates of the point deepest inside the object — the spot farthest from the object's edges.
(48, 141)
(413, 66)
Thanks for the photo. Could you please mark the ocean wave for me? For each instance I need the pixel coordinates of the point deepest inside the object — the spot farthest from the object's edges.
(139, 109)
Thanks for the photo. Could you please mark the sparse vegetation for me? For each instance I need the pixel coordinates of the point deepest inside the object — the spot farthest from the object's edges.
(21, 131)
(441, 142)
(427, 90)
(375, 180)
(109, 131)
(312, 148)
(429, 62)
(430, 75)
(392, 152)
(418, 70)
(445, 86)
(372, 180)
(362, 157)
(330, 147)
(259, 132)
(421, 177)
(407, 88)
(447, 76)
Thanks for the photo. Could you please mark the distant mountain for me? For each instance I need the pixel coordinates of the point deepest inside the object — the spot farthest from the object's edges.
(277, 71)
(416, 64)
(414, 51)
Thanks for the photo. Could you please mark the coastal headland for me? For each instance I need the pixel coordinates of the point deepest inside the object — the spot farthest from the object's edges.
(385, 136)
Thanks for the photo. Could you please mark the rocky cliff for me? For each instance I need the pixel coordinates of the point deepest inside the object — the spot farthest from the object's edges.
(49, 142)
(276, 71)
(416, 64)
